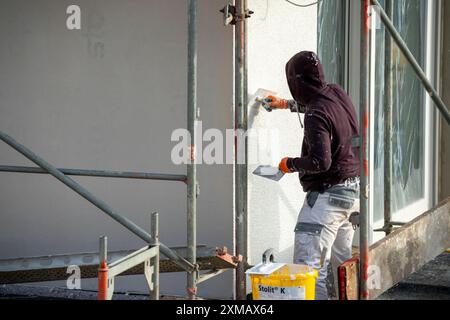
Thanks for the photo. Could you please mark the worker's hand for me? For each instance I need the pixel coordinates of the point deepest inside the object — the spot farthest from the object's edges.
(286, 165)
(276, 103)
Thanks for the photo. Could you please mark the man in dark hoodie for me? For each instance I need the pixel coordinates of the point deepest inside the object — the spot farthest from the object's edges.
(328, 167)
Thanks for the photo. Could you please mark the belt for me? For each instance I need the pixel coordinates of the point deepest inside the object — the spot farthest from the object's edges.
(349, 187)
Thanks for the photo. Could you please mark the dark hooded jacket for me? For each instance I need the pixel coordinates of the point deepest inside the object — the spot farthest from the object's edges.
(328, 157)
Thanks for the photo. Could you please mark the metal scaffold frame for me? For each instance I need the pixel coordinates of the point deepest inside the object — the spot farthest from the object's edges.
(188, 264)
(391, 34)
(189, 261)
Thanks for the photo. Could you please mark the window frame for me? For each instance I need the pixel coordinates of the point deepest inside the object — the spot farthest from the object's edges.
(431, 127)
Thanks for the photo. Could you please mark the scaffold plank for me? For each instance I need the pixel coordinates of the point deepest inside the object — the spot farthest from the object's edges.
(52, 268)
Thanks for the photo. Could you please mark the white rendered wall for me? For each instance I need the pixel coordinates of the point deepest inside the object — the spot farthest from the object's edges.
(277, 31)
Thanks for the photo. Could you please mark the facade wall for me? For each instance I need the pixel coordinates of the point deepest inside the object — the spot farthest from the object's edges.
(276, 32)
(108, 97)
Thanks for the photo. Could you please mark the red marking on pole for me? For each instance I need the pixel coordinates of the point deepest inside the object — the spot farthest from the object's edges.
(192, 153)
(364, 142)
(366, 120)
(367, 17)
(103, 281)
(342, 284)
(365, 294)
(192, 291)
(365, 271)
(366, 167)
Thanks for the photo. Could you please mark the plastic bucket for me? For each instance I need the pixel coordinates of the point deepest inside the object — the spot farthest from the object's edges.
(290, 282)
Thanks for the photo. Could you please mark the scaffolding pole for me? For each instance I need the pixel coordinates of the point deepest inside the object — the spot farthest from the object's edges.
(154, 293)
(365, 151)
(192, 116)
(100, 173)
(388, 111)
(240, 109)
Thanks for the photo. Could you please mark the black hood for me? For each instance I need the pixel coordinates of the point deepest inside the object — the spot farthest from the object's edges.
(305, 76)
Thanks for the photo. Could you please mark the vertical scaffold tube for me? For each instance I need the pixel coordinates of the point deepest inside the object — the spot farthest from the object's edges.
(192, 167)
(240, 107)
(365, 154)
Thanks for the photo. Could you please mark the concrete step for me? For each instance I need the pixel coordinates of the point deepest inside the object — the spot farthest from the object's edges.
(432, 282)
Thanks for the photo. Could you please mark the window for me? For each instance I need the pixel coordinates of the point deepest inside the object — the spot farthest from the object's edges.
(412, 117)
(331, 39)
(408, 111)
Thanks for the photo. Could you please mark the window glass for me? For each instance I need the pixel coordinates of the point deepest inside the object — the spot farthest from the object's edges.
(331, 39)
(408, 112)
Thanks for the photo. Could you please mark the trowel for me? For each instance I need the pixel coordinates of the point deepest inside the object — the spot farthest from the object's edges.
(258, 99)
(269, 172)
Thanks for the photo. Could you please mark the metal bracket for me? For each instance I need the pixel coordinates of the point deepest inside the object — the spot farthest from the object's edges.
(110, 291)
(210, 274)
(230, 16)
(222, 253)
(390, 227)
(148, 272)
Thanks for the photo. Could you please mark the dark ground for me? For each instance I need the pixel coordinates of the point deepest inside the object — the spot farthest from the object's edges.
(432, 282)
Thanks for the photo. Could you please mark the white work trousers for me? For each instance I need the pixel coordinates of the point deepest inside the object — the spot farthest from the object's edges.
(324, 227)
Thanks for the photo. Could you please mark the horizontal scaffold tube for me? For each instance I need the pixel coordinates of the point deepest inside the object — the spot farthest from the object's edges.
(99, 173)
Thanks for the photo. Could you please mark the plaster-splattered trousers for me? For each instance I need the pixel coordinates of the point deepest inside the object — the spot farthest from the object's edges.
(324, 228)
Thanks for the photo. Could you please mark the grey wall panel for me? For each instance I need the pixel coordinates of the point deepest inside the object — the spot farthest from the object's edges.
(108, 96)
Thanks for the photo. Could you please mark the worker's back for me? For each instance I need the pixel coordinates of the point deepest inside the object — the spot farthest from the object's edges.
(336, 108)
(328, 156)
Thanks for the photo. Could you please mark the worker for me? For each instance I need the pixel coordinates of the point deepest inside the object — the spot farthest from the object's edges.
(328, 167)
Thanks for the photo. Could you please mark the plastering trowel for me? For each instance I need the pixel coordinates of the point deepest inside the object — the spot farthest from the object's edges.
(259, 99)
(269, 172)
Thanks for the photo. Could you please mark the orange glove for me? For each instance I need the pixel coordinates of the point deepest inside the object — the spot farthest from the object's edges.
(284, 166)
(277, 103)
